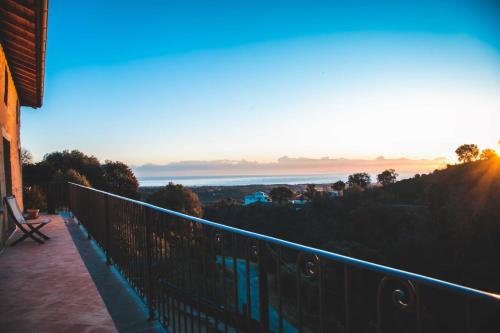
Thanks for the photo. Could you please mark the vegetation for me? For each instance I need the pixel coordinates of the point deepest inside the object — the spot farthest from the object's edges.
(488, 153)
(34, 198)
(361, 179)
(26, 156)
(119, 179)
(310, 191)
(387, 177)
(467, 153)
(338, 186)
(281, 194)
(56, 169)
(177, 197)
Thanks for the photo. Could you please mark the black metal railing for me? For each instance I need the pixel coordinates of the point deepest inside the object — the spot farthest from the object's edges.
(199, 276)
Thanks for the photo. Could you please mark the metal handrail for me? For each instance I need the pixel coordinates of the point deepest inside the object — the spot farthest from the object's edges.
(429, 281)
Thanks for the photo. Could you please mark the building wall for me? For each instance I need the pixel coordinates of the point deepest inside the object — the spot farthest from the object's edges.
(10, 130)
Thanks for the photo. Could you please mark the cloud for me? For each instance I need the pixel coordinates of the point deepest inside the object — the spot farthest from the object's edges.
(288, 166)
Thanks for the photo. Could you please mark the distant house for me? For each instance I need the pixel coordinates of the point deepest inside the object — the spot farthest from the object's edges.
(257, 197)
(300, 199)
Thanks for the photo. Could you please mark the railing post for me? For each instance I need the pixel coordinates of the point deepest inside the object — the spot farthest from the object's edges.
(263, 288)
(89, 236)
(108, 230)
(149, 259)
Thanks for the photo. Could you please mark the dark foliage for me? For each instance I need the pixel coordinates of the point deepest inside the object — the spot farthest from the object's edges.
(56, 169)
(338, 186)
(361, 179)
(87, 166)
(119, 179)
(387, 177)
(178, 198)
(281, 194)
(34, 198)
(467, 153)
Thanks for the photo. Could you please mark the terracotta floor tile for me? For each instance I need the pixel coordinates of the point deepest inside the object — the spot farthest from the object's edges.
(47, 288)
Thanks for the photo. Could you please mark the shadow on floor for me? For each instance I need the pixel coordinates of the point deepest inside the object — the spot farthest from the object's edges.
(125, 307)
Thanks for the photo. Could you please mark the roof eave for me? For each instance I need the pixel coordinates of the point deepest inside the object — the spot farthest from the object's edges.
(41, 39)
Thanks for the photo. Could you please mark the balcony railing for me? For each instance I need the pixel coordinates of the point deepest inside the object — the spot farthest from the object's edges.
(199, 276)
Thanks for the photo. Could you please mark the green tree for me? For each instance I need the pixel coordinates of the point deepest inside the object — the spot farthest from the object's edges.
(361, 179)
(311, 191)
(488, 153)
(85, 165)
(26, 157)
(387, 177)
(61, 179)
(338, 186)
(467, 153)
(119, 179)
(57, 194)
(281, 194)
(34, 198)
(177, 198)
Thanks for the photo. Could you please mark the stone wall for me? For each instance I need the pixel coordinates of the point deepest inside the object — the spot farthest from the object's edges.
(10, 131)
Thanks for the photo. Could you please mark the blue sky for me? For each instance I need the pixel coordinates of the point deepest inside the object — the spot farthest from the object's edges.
(164, 81)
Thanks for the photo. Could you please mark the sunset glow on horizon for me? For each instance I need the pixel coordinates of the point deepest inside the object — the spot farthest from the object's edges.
(261, 81)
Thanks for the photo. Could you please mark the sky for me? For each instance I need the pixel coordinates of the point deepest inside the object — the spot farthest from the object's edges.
(161, 82)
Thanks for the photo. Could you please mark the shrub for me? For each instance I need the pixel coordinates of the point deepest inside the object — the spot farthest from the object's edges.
(34, 198)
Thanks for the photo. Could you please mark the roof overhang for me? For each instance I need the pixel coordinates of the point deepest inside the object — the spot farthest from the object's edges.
(23, 34)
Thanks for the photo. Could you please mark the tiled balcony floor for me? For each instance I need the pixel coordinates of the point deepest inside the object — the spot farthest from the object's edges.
(64, 286)
(47, 288)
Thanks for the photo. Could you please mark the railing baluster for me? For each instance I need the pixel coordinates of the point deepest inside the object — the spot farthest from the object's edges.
(234, 250)
(298, 287)
(224, 289)
(108, 230)
(278, 285)
(321, 292)
(347, 295)
(248, 253)
(149, 255)
(263, 287)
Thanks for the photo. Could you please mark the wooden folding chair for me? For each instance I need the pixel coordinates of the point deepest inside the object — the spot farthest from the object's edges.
(29, 228)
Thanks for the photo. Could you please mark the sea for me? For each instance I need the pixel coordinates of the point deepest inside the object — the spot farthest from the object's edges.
(194, 181)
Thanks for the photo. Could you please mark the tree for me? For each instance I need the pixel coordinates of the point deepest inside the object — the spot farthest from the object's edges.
(467, 153)
(85, 165)
(311, 191)
(57, 192)
(26, 157)
(34, 198)
(281, 194)
(338, 186)
(488, 153)
(387, 177)
(119, 179)
(361, 179)
(177, 198)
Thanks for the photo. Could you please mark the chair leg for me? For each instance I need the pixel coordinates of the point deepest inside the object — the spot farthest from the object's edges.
(26, 235)
(38, 232)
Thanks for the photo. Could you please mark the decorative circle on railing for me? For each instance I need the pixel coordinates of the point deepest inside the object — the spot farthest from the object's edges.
(401, 299)
(309, 265)
(404, 293)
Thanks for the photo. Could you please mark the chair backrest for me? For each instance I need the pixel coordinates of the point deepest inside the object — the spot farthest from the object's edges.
(14, 209)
